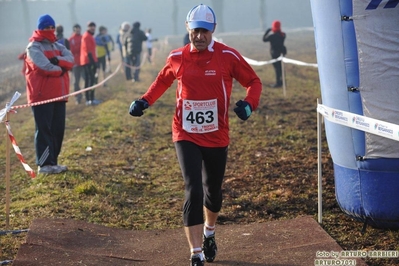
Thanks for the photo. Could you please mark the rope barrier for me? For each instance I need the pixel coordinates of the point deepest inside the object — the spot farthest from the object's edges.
(281, 58)
(13, 232)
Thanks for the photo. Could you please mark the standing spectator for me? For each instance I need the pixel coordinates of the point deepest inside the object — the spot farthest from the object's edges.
(59, 29)
(47, 65)
(88, 59)
(22, 56)
(124, 27)
(134, 46)
(104, 46)
(186, 39)
(123, 37)
(204, 70)
(277, 48)
(149, 44)
(75, 43)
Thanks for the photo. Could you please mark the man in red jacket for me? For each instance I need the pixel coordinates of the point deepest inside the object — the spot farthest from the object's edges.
(88, 59)
(75, 43)
(204, 70)
(47, 64)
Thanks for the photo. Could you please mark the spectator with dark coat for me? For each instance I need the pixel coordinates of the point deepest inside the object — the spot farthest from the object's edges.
(134, 46)
(276, 37)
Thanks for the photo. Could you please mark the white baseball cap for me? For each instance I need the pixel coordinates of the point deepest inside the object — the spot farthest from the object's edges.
(201, 16)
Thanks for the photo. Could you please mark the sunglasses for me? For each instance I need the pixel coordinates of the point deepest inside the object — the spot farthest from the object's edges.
(49, 28)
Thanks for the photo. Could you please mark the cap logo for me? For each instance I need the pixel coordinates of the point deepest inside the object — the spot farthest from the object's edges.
(209, 17)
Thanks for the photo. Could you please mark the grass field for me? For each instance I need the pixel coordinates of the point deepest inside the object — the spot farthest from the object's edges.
(130, 179)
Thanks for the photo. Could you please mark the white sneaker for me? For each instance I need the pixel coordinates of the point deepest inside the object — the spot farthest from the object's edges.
(95, 102)
(48, 169)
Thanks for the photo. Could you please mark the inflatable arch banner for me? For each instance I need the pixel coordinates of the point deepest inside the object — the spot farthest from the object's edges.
(357, 48)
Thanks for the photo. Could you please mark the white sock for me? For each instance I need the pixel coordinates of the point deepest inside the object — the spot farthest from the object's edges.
(197, 252)
(209, 230)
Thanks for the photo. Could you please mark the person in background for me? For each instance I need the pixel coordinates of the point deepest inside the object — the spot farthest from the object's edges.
(22, 57)
(149, 44)
(59, 29)
(88, 59)
(47, 64)
(205, 70)
(118, 39)
(186, 39)
(104, 46)
(276, 37)
(134, 46)
(123, 36)
(75, 43)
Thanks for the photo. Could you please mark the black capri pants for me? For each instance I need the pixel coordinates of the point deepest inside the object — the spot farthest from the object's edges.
(203, 170)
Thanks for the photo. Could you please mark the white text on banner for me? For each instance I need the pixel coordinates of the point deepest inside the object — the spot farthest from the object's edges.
(367, 124)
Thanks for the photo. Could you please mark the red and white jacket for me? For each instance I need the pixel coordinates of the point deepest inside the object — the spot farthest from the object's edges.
(88, 46)
(75, 43)
(205, 79)
(44, 80)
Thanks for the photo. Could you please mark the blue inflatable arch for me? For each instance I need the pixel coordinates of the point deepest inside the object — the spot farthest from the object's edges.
(357, 48)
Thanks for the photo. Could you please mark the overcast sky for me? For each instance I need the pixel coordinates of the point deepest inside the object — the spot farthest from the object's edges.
(18, 18)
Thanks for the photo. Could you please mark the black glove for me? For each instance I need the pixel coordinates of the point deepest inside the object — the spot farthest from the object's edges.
(54, 61)
(137, 107)
(91, 58)
(243, 110)
(93, 67)
(63, 71)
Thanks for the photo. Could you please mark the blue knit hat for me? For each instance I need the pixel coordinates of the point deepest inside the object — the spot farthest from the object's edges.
(44, 21)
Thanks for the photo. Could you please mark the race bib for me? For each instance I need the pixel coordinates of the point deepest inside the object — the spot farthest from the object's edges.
(200, 116)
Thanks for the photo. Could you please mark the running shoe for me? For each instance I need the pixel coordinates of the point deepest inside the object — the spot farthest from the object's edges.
(196, 261)
(209, 248)
(62, 168)
(49, 169)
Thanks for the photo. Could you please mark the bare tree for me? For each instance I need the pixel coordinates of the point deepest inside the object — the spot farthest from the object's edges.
(262, 15)
(26, 17)
(175, 13)
(72, 11)
(217, 6)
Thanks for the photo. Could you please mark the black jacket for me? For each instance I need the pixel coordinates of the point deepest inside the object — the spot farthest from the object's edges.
(134, 41)
(276, 40)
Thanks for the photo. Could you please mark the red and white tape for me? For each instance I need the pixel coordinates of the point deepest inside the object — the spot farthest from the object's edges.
(18, 151)
(9, 108)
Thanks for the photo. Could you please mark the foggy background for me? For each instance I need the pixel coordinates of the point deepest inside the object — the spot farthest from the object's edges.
(18, 18)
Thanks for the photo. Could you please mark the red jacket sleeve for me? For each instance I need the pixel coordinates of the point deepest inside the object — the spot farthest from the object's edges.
(163, 81)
